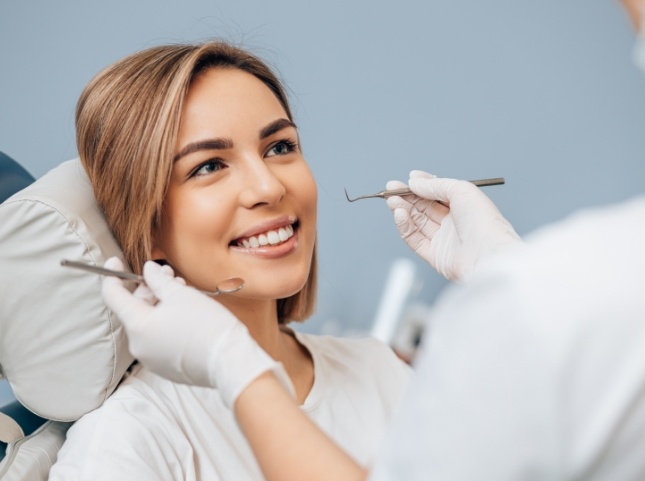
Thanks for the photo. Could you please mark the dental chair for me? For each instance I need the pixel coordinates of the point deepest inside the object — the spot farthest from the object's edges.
(13, 177)
(61, 350)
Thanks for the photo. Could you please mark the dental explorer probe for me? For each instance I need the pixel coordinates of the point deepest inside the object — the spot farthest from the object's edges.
(384, 194)
(227, 286)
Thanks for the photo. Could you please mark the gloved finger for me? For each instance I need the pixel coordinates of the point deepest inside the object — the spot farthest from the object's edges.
(418, 242)
(421, 211)
(443, 190)
(432, 209)
(397, 202)
(408, 230)
(420, 174)
(114, 263)
(402, 221)
(168, 270)
(436, 210)
(121, 301)
(395, 184)
(424, 223)
(144, 293)
(160, 281)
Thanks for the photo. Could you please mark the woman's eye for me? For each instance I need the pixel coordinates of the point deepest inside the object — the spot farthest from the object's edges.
(282, 148)
(208, 167)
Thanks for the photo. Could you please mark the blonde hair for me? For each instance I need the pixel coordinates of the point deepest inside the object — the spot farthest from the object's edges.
(127, 122)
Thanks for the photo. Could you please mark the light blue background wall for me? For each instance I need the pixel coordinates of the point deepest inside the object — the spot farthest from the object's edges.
(541, 92)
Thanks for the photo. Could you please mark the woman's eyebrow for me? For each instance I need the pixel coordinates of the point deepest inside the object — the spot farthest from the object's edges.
(222, 143)
(210, 144)
(276, 126)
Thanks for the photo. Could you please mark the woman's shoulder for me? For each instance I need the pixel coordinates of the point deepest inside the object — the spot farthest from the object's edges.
(361, 353)
(131, 425)
(358, 384)
(144, 397)
(356, 344)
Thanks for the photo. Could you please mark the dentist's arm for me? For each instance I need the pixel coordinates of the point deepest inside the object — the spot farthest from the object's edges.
(450, 223)
(187, 337)
(286, 443)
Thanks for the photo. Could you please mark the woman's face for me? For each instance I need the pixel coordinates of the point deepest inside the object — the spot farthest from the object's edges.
(241, 200)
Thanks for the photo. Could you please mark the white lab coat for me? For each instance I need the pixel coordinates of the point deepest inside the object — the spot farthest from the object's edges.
(534, 368)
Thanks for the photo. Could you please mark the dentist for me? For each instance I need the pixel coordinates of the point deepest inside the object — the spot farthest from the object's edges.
(535, 368)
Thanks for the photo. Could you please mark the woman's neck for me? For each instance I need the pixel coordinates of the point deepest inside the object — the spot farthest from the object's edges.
(261, 319)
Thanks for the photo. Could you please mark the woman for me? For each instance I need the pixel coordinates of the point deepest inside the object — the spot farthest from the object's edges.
(195, 159)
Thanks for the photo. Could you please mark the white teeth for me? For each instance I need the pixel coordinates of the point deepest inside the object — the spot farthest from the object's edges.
(272, 237)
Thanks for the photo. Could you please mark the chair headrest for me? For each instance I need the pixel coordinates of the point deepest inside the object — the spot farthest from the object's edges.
(14, 177)
(61, 349)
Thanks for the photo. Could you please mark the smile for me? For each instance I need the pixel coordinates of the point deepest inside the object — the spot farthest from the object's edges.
(268, 238)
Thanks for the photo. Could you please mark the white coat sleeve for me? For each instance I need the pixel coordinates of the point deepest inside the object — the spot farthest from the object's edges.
(535, 367)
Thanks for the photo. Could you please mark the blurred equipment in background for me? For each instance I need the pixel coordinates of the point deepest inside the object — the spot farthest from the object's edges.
(399, 322)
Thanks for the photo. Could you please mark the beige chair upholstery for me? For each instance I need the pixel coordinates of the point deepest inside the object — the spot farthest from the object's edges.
(29, 458)
(61, 349)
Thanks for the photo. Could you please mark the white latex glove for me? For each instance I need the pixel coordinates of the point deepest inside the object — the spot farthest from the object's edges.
(456, 234)
(185, 336)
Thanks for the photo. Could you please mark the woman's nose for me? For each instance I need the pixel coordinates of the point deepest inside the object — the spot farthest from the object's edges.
(260, 186)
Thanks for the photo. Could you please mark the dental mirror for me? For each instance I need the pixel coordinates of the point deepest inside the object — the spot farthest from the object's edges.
(227, 286)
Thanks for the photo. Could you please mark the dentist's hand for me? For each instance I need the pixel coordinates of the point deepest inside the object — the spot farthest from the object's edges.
(185, 336)
(457, 232)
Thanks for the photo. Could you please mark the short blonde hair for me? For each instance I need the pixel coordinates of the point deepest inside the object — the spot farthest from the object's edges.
(127, 123)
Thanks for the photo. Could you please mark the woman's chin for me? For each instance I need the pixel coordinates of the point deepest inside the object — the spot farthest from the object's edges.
(280, 293)
(275, 286)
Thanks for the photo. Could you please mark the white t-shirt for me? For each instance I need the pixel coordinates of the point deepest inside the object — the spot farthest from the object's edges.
(534, 368)
(153, 429)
